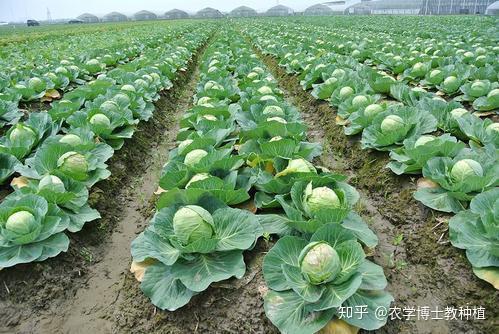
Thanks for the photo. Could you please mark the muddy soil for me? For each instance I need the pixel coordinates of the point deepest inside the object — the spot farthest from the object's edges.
(421, 265)
(73, 292)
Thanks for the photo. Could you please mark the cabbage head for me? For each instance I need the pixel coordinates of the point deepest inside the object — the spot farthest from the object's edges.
(319, 198)
(71, 139)
(74, 165)
(194, 156)
(192, 223)
(299, 165)
(319, 263)
(465, 168)
(22, 223)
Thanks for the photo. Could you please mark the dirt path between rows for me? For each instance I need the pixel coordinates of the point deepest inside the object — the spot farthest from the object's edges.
(77, 292)
(422, 268)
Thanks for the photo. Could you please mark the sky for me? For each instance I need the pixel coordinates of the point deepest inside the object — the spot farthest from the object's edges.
(20, 10)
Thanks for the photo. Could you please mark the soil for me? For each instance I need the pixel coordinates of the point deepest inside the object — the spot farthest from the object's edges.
(422, 268)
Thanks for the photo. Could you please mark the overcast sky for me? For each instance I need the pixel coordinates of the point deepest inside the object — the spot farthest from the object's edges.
(20, 10)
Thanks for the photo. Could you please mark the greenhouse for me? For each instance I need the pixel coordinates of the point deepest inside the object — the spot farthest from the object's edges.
(384, 7)
(114, 17)
(144, 15)
(279, 10)
(432, 7)
(243, 11)
(175, 14)
(318, 10)
(210, 13)
(88, 18)
(340, 7)
(493, 9)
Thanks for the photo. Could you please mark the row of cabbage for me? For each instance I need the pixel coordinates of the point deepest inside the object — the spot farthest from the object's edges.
(461, 64)
(242, 149)
(50, 195)
(35, 70)
(89, 106)
(453, 149)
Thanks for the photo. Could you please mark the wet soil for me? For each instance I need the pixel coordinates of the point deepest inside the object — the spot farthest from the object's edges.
(73, 292)
(422, 268)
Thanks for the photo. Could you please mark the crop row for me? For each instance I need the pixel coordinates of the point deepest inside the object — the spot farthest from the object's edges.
(242, 170)
(35, 72)
(46, 74)
(88, 107)
(50, 196)
(453, 149)
(462, 67)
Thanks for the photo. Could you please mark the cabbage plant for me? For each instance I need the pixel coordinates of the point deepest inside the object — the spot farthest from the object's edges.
(477, 231)
(411, 158)
(481, 132)
(476, 89)
(316, 200)
(390, 128)
(455, 181)
(356, 103)
(107, 120)
(217, 171)
(9, 113)
(489, 102)
(310, 279)
(362, 118)
(72, 155)
(192, 246)
(30, 230)
(70, 196)
(23, 137)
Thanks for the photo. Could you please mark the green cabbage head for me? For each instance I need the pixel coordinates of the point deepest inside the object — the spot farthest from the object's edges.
(22, 227)
(345, 92)
(71, 139)
(372, 110)
(192, 223)
(319, 198)
(360, 101)
(100, 121)
(451, 83)
(297, 166)
(52, 182)
(265, 90)
(74, 165)
(392, 123)
(22, 134)
(36, 84)
(479, 88)
(423, 140)
(273, 110)
(466, 168)
(319, 263)
(194, 156)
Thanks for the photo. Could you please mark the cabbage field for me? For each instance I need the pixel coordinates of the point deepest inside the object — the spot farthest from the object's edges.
(333, 175)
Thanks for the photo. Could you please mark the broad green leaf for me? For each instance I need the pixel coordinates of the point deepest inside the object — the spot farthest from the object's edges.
(164, 290)
(197, 274)
(288, 312)
(285, 251)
